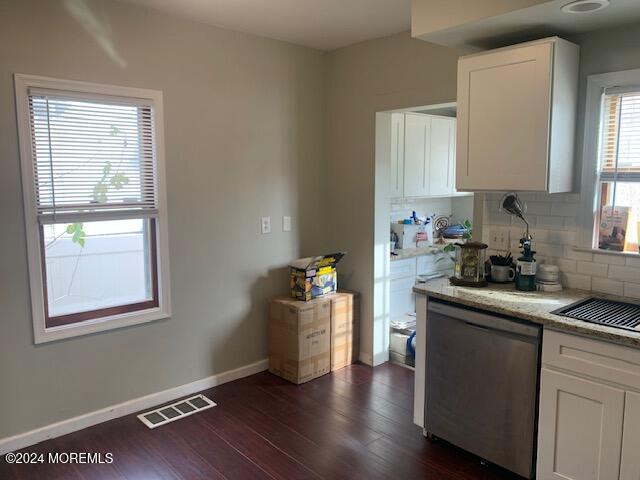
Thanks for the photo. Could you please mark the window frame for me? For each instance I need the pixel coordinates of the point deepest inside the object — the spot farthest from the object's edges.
(35, 255)
(589, 197)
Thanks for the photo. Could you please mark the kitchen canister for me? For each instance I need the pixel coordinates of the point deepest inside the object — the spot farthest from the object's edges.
(548, 273)
(548, 278)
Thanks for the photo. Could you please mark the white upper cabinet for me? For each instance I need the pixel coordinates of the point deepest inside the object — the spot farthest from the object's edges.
(417, 153)
(396, 173)
(442, 156)
(429, 156)
(516, 117)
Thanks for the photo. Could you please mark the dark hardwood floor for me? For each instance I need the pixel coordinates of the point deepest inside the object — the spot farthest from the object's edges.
(355, 423)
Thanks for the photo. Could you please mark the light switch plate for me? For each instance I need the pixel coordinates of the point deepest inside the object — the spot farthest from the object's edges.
(286, 223)
(500, 239)
(265, 223)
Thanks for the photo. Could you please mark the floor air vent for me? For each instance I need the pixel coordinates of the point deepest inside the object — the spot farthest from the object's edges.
(175, 411)
(605, 312)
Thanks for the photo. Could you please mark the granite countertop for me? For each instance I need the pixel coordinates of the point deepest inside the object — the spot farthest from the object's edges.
(532, 306)
(402, 253)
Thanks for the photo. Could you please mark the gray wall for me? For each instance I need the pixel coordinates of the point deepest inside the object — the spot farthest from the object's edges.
(383, 74)
(244, 120)
(603, 51)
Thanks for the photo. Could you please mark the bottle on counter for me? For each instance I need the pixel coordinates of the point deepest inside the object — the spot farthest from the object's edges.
(526, 267)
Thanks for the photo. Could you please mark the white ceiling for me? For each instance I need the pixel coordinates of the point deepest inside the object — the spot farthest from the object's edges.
(321, 24)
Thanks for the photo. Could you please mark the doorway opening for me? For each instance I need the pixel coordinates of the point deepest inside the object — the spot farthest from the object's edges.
(415, 201)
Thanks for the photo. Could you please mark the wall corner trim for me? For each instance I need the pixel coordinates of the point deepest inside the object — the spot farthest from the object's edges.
(22, 440)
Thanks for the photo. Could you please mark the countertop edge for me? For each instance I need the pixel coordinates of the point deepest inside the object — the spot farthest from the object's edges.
(563, 324)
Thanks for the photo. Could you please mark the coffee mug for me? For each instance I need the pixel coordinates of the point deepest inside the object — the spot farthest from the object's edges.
(502, 273)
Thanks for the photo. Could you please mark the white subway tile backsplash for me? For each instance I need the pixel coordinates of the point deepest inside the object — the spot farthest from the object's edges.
(626, 274)
(574, 280)
(554, 230)
(561, 237)
(573, 254)
(564, 209)
(549, 222)
(605, 285)
(593, 269)
(607, 258)
(563, 197)
(538, 208)
(548, 249)
(565, 265)
(633, 262)
(632, 290)
(527, 197)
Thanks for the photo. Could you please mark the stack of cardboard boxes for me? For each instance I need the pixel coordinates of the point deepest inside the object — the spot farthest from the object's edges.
(308, 339)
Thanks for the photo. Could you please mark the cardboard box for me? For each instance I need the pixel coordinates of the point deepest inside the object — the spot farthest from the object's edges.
(313, 277)
(345, 329)
(399, 349)
(299, 337)
(412, 236)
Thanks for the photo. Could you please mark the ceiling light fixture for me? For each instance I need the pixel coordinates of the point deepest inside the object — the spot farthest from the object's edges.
(585, 6)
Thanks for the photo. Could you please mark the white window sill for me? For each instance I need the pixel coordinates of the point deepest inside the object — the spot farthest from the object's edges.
(43, 335)
(607, 252)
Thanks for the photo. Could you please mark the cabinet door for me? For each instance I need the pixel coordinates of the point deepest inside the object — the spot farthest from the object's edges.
(503, 119)
(580, 428)
(452, 168)
(441, 157)
(630, 466)
(402, 300)
(417, 136)
(396, 173)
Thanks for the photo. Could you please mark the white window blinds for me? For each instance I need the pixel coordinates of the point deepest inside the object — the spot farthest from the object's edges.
(93, 156)
(620, 135)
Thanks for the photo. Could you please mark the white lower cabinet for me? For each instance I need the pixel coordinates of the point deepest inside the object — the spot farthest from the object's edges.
(630, 462)
(580, 429)
(589, 417)
(402, 299)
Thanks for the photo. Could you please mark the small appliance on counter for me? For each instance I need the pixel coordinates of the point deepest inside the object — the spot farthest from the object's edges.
(469, 265)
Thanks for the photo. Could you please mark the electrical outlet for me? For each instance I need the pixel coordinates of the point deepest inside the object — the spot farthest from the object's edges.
(286, 223)
(500, 239)
(265, 223)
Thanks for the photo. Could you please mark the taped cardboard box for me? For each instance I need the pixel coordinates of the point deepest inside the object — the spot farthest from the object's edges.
(345, 329)
(299, 337)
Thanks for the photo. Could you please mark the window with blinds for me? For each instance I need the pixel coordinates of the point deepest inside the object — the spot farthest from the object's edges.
(619, 170)
(92, 158)
(95, 221)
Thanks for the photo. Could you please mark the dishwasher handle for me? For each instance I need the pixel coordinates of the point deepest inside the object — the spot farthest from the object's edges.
(485, 321)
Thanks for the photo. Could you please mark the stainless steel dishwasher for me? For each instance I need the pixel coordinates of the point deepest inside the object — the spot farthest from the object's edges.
(482, 384)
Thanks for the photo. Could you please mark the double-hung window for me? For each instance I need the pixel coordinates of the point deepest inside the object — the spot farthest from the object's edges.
(93, 182)
(611, 176)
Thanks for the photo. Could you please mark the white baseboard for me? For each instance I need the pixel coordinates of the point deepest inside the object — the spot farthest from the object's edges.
(16, 442)
(366, 358)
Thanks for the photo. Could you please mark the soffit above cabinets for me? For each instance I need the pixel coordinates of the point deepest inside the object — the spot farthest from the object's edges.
(523, 24)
